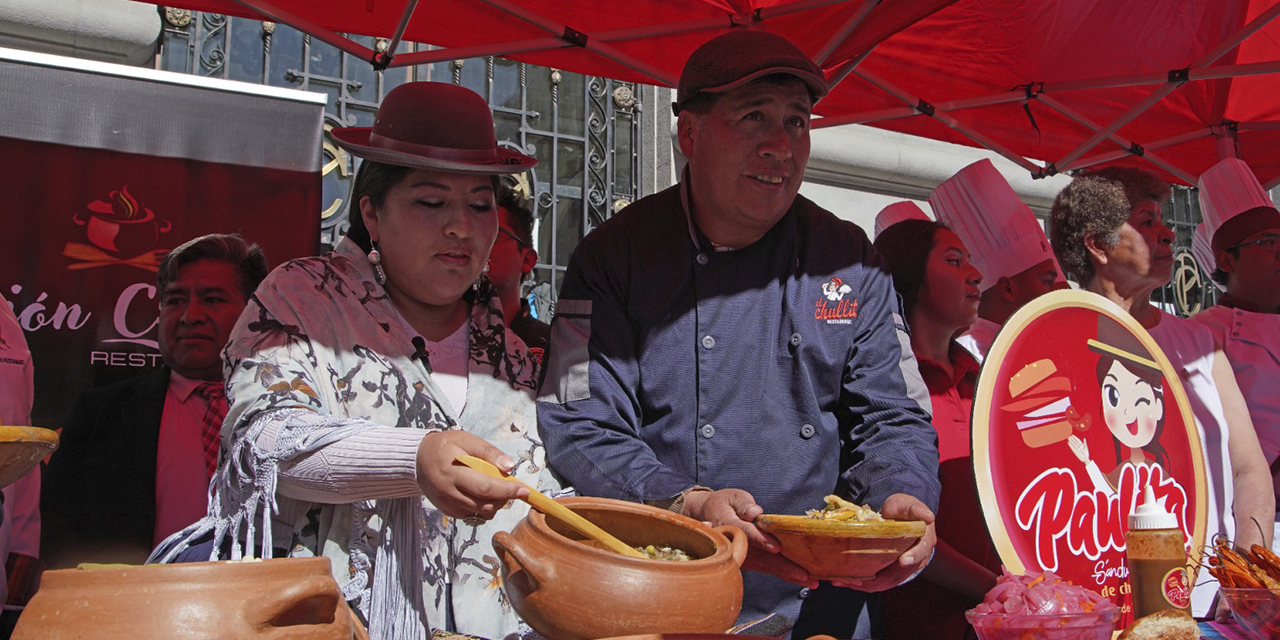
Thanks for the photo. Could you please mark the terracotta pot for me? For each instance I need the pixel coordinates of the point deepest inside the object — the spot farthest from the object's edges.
(569, 590)
(290, 598)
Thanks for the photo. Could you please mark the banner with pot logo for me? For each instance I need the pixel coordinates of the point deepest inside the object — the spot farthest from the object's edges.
(106, 169)
(1077, 410)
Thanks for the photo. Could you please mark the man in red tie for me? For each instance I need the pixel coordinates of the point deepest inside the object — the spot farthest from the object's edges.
(136, 456)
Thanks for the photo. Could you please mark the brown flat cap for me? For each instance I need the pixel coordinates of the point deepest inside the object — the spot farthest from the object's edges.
(731, 60)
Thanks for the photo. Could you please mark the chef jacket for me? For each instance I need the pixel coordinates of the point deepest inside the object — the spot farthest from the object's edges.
(1252, 344)
(776, 368)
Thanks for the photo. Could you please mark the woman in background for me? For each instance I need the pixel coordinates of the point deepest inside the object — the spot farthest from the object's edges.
(939, 289)
(1108, 233)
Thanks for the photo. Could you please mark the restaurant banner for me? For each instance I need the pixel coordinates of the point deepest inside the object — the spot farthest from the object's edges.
(105, 169)
(1078, 410)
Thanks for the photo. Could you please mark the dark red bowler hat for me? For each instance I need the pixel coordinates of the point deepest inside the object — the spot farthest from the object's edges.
(433, 125)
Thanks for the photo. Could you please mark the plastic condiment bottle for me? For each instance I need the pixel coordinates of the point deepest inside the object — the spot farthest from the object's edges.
(1157, 559)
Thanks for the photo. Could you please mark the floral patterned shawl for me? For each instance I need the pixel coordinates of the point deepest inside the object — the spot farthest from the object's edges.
(321, 351)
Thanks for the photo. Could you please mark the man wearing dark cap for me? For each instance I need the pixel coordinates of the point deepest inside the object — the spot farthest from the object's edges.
(726, 348)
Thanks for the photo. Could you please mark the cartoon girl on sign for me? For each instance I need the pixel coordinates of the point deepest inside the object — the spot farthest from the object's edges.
(1132, 405)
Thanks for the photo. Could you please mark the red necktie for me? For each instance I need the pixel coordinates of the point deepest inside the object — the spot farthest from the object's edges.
(211, 423)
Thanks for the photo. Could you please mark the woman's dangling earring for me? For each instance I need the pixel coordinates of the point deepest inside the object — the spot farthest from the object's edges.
(475, 286)
(375, 259)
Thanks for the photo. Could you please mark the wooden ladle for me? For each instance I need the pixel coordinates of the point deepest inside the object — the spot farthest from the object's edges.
(546, 505)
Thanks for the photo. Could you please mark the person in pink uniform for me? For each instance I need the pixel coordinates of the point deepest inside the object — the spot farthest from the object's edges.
(1242, 227)
(939, 288)
(1109, 235)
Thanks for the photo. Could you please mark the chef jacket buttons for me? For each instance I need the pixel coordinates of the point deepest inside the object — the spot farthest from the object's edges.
(708, 342)
(708, 431)
(702, 259)
(795, 339)
(804, 593)
(807, 431)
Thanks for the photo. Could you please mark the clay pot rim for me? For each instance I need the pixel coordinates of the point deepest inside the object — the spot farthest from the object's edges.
(724, 550)
(180, 571)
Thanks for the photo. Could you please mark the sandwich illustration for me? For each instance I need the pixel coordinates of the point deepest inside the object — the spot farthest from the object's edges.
(1040, 398)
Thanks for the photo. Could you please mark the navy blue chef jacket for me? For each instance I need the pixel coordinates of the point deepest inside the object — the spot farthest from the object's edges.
(776, 368)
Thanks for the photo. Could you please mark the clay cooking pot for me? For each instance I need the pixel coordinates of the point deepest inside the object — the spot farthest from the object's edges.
(569, 590)
(287, 598)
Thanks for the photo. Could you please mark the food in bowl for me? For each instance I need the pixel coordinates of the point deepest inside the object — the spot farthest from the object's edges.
(653, 552)
(1042, 607)
(838, 508)
(854, 543)
(1257, 611)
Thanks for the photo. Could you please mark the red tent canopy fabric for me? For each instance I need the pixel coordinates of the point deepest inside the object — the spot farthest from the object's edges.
(1066, 55)
(634, 40)
(1168, 84)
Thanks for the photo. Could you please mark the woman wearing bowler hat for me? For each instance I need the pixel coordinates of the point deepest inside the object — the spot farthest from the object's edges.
(357, 377)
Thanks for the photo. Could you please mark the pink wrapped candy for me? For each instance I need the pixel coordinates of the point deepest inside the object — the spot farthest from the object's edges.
(1042, 607)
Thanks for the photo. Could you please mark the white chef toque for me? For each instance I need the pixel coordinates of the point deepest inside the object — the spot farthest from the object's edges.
(1003, 236)
(895, 213)
(1234, 205)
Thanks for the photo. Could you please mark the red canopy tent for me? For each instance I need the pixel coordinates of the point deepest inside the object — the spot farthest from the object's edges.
(1070, 83)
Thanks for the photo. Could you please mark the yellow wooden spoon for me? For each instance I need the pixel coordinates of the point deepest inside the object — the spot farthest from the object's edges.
(542, 503)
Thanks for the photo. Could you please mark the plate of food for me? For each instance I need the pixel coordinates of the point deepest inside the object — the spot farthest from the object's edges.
(842, 540)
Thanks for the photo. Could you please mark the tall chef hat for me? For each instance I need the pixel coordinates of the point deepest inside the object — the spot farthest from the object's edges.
(897, 212)
(1003, 237)
(1234, 205)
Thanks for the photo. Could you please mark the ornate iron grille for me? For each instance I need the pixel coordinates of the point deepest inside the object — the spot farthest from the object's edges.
(584, 130)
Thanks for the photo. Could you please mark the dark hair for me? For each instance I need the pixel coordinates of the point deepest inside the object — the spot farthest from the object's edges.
(248, 259)
(1157, 389)
(512, 202)
(905, 247)
(375, 179)
(1139, 184)
(1089, 205)
(1222, 277)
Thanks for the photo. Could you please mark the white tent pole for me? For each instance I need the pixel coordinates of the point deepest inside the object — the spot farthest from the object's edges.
(1109, 156)
(903, 112)
(462, 53)
(1238, 37)
(1211, 73)
(310, 28)
(941, 116)
(577, 38)
(1129, 145)
(845, 69)
(409, 8)
(1174, 82)
(843, 32)
(892, 113)
(1104, 132)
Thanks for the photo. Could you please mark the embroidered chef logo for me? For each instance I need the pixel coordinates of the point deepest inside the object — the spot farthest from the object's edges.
(121, 231)
(832, 306)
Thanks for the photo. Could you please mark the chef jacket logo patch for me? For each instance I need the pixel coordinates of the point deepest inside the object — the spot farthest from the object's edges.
(843, 311)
